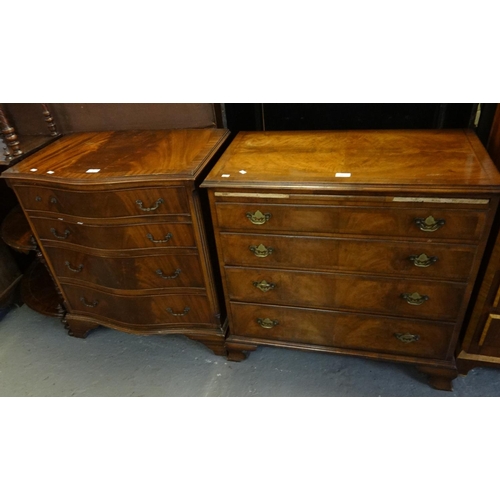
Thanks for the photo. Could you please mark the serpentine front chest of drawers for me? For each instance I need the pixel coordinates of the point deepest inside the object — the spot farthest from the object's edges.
(118, 219)
(360, 243)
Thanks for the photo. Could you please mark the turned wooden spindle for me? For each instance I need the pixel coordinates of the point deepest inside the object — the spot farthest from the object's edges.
(49, 120)
(5, 151)
(10, 135)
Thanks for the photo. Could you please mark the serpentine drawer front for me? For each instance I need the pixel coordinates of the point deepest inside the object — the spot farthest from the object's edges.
(115, 236)
(121, 226)
(140, 310)
(361, 243)
(120, 203)
(151, 272)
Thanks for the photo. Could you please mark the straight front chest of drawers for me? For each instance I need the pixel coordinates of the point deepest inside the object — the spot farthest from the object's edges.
(118, 218)
(359, 243)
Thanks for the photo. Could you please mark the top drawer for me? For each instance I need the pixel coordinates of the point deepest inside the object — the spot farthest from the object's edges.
(416, 222)
(119, 203)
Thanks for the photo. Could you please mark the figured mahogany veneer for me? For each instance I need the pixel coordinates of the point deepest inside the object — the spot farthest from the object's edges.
(336, 329)
(155, 271)
(346, 292)
(120, 223)
(348, 255)
(118, 236)
(121, 203)
(363, 243)
(358, 221)
(167, 310)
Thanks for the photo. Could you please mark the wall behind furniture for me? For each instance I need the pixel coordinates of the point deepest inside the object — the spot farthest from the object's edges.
(102, 116)
(326, 116)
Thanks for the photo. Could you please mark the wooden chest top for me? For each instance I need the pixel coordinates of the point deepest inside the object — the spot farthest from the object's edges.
(418, 161)
(101, 157)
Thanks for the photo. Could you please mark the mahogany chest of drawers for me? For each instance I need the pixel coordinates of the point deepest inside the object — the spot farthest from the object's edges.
(119, 221)
(360, 243)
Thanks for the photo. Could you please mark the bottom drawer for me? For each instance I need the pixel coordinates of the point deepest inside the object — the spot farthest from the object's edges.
(141, 310)
(334, 329)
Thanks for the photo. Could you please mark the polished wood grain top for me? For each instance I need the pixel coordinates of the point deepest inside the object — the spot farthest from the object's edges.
(413, 160)
(100, 157)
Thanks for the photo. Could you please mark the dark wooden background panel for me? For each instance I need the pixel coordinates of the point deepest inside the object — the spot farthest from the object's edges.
(349, 116)
(328, 116)
(494, 139)
(81, 117)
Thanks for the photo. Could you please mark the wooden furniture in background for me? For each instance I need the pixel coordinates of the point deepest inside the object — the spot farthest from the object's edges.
(37, 287)
(88, 117)
(118, 218)
(10, 277)
(15, 146)
(358, 243)
(481, 344)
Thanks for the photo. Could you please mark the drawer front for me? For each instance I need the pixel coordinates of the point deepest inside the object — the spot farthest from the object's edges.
(392, 297)
(369, 221)
(127, 273)
(452, 262)
(141, 310)
(364, 332)
(118, 203)
(161, 235)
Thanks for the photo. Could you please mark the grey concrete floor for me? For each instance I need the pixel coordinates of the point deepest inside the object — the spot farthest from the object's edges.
(38, 358)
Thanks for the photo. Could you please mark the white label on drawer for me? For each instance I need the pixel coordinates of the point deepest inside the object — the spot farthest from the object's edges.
(93, 170)
(50, 171)
(342, 174)
(226, 175)
(469, 201)
(253, 195)
(33, 169)
(243, 171)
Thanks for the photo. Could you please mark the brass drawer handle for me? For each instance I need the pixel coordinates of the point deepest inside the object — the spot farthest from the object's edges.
(422, 260)
(267, 323)
(183, 313)
(75, 270)
(159, 201)
(264, 286)
(261, 250)
(258, 217)
(52, 200)
(66, 233)
(430, 224)
(87, 304)
(407, 338)
(159, 272)
(414, 299)
(149, 236)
